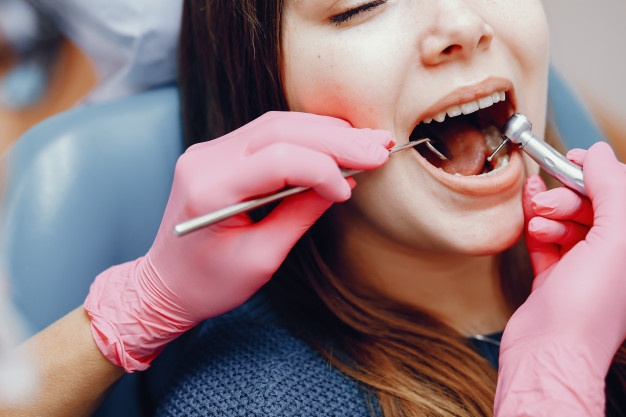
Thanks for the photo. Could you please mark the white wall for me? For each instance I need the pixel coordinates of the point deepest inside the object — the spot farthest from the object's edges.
(588, 45)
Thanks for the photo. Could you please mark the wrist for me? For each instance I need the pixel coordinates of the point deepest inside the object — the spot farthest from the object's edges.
(129, 321)
(550, 376)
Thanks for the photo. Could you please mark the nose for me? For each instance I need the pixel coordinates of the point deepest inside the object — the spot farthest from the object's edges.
(457, 32)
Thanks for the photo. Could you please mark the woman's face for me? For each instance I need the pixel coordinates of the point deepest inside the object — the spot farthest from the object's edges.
(396, 64)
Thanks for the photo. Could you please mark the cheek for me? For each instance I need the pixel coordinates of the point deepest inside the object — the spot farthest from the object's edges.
(531, 166)
(416, 220)
(523, 23)
(345, 82)
(522, 32)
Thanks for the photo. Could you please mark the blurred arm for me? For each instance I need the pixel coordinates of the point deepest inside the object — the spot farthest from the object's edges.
(74, 376)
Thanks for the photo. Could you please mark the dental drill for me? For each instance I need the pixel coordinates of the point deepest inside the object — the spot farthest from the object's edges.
(518, 130)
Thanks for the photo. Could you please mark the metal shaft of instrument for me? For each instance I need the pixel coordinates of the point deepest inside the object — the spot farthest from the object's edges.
(227, 212)
(500, 146)
(518, 130)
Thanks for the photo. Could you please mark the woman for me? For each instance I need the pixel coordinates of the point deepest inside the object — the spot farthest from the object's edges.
(390, 287)
(431, 277)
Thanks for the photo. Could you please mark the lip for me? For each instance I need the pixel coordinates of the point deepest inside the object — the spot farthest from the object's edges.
(472, 92)
(509, 177)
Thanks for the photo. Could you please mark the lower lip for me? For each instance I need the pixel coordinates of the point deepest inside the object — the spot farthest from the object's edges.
(508, 177)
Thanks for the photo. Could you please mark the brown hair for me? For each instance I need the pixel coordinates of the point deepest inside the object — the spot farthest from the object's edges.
(228, 66)
(409, 362)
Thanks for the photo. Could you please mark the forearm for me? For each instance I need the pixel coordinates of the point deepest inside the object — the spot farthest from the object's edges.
(74, 376)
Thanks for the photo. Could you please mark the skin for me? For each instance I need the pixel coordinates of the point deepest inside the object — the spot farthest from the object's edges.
(389, 67)
(75, 379)
(386, 68)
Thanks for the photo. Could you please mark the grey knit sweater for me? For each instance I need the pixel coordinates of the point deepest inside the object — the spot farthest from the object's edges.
(245, 364)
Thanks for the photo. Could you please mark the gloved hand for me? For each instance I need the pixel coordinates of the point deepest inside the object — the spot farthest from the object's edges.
(558, 346)
(137, 307)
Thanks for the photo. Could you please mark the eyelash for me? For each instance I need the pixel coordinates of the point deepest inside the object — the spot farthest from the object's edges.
(340, 18)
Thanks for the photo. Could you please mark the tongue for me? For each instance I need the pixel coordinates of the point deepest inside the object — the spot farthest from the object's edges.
(466, 147)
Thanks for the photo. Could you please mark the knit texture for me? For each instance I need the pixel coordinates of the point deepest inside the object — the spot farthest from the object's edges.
(245, 364)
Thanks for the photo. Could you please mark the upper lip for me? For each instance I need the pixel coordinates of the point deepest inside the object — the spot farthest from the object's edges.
(470, 93)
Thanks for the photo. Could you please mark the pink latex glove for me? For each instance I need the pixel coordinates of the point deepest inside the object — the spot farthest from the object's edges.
(137, 307)
(557, 348)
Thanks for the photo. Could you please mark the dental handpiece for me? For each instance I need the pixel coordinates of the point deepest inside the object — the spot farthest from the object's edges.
(518, 130)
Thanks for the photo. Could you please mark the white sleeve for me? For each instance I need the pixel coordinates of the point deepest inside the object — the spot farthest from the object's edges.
(132, 44)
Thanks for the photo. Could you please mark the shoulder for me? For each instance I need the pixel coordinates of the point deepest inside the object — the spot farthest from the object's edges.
(246, 363)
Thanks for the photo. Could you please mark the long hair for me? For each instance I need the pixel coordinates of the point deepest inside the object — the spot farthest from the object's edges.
(408, 362)
(228, 65)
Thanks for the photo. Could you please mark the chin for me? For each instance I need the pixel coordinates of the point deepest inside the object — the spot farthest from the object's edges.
(487, 240)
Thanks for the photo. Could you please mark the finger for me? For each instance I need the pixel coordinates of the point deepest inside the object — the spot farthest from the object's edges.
(350, 147)
(542, 255)
(603, 173)
(563, 204)
(277, 117)
(534, 186)
(307, 118)
(289, 118)
(605, 179)
(283, 164)
(275, 235)
(566, 234)
(576, 155)
(206, 183)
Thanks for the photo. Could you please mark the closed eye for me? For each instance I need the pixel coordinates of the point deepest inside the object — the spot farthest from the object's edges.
(340, 18)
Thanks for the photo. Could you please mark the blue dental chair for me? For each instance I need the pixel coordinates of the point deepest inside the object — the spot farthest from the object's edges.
(86, 189)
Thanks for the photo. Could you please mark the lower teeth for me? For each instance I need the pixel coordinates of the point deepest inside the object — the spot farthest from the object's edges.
(500, 164)
(493, 138)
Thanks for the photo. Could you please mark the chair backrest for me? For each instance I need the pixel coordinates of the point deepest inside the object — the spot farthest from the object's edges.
(87, 189)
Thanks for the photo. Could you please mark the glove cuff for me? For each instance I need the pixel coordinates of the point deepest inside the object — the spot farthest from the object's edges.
(549, 377)
(128, 329)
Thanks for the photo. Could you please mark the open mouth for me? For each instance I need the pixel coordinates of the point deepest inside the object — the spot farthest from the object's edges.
(467, 134)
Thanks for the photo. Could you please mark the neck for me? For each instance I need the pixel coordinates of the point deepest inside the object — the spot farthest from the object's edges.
(462, 291)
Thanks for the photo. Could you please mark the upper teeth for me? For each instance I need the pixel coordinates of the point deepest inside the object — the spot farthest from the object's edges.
(470, 107)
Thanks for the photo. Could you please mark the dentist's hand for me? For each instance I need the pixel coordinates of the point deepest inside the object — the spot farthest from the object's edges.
(137, 307)
(558, 346)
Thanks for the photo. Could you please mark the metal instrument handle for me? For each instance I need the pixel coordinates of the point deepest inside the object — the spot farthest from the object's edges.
(205, 220)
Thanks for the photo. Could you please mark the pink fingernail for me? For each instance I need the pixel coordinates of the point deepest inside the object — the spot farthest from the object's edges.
(382, 155)
(543, 204)
(546, 230)
(384, 137)
(532, 226)
(347, 191)
(534, 185)
(576, 155)
(536, 228)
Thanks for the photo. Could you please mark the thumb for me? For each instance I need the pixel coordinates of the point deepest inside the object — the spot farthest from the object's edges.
(542, 255)
(605, 177)
(273, 237)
